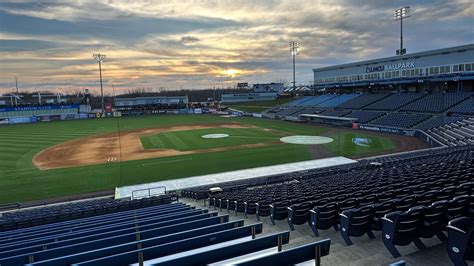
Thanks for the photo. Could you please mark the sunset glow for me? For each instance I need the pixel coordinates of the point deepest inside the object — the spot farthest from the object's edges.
(48, 45)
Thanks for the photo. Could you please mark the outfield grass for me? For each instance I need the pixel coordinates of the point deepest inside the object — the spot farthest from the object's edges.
(190, 140)
(21, 181)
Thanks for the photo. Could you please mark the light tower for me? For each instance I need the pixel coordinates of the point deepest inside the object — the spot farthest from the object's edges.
(401, 14)
(294, 50)
(100, 57)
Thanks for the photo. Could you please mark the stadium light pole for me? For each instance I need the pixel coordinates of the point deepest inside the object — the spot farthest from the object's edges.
(100, 57)
(399, 15)
(16, 85)
(294, 50)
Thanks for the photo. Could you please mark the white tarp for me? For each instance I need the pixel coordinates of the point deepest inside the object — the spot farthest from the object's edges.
(187, 182)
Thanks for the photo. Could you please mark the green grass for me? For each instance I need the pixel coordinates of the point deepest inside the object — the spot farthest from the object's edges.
(259, 106)
(207, 163)
(189, 140)
(344, 146)
(21, 181)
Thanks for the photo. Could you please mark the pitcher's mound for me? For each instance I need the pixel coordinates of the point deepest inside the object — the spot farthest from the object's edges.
(308, 140)
(214, 136)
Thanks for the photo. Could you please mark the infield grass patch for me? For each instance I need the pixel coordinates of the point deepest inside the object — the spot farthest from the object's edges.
(189, 140)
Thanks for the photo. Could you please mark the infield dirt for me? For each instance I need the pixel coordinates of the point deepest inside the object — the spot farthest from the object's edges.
(106, 148)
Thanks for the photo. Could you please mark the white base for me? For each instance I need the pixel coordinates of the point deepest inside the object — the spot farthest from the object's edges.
(214, 136)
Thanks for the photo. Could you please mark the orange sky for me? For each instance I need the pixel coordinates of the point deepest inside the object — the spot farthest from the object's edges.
(202, 44)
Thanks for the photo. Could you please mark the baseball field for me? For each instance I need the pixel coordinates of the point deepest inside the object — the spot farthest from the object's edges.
(45, 160)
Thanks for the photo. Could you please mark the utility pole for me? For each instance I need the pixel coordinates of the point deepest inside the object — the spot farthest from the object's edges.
(100, 57)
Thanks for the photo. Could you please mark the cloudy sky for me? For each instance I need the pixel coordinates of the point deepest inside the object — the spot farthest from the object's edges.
(201, 44)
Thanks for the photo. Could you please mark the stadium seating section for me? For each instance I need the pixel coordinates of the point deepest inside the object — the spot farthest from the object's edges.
(400, 120)
(149, 231)
(464, 108)
(340, 99)
(364, 116)
(432, 113)
(394, 101)
(335, 112)
(362, 101)
(325, 100)
(82, 209)
(437, 121)
(437, 102)
(460, 132)
(406, 197)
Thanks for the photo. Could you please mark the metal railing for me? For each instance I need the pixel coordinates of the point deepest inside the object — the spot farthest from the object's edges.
(148, 192)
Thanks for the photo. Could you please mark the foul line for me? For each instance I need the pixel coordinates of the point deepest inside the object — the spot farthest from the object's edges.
(13, 170)
(170, 161)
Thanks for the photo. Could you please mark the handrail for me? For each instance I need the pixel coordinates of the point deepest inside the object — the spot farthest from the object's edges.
(148, 192)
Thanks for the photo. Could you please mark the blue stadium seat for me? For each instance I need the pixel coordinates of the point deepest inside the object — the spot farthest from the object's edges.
(461, 240)
(298, 214)
(127, 254)
(105, 232)
(227, 252)
(401, 229)
(434, 221)
(356, 222)
(112, 245)
(311, 251)
(324, 217)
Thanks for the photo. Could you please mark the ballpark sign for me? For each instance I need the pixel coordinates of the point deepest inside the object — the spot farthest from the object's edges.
(402, 65)
(38, 108)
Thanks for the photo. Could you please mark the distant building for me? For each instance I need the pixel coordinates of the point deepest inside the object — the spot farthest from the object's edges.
(268, 87)
(243, 85)
(443, 69)
(248, 97)
(148, 105)
(164, 101)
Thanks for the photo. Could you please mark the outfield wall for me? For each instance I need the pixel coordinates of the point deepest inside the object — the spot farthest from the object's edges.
(22, 115)
(34, 114)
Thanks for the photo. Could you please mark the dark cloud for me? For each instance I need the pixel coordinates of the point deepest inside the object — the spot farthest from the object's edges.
(189, 40)
(126, 29)
(25, 45)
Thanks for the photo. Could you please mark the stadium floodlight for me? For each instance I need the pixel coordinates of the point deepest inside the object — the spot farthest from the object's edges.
(99, 58)
(399, 15)
(294, 50)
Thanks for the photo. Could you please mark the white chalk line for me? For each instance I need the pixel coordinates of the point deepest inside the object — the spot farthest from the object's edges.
(112, 159)
(14, 170)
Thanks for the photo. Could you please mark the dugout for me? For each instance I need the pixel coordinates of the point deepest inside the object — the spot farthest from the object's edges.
(328, 120)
